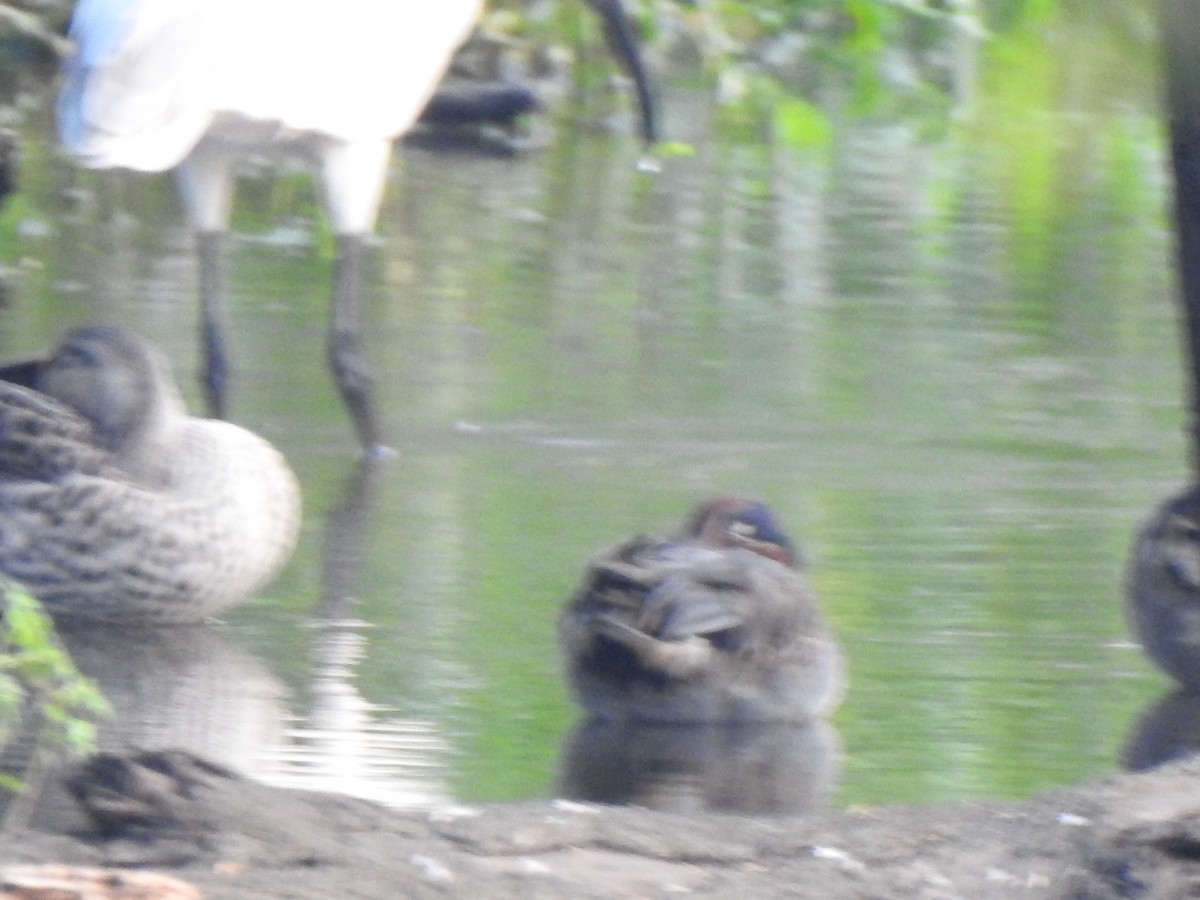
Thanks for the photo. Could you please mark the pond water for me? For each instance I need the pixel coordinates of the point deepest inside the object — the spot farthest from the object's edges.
(956, 381)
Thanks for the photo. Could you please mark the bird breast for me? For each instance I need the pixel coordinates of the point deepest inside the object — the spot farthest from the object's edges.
(149, 77)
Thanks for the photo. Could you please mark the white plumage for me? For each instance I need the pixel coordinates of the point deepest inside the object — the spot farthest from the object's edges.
(151, 77)
(192, 85)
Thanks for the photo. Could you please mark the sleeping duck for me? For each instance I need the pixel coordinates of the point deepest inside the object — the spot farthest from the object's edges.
(116, 505)
(716, 624)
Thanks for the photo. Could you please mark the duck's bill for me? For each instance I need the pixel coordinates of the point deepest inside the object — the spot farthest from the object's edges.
(626, 47)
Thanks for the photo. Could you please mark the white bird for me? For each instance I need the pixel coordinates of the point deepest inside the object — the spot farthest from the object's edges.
(193, 85)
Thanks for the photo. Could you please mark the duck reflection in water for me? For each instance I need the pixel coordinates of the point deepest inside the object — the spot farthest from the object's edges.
(116, 506)
(715, 624)
(1162, 596)
(1167, 730)
(706, 666)
(190, 688)
(762, 768)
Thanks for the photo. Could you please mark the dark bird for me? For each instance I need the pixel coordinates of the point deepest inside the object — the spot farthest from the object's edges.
(195, 85)
(469, 103)
(116, 505)
(1162, 591)
(714, 624)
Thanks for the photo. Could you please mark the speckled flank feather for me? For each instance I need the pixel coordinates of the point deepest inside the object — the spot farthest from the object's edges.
(180, 524)
(40, 439)
(692, 629)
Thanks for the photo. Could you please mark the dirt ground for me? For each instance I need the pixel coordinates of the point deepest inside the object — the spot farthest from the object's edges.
(1126, 836)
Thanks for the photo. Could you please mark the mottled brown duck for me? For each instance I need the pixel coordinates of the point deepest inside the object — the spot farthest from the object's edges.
(116, 505)
(1162, 591)
(717, 623)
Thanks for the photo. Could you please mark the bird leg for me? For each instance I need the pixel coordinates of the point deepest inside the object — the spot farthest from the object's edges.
(215, 375)
(347, 357)
(624, 45)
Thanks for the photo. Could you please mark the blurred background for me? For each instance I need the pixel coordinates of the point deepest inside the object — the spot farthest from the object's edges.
(905, 274)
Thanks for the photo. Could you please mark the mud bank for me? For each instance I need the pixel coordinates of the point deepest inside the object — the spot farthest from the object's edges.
(1120, 837)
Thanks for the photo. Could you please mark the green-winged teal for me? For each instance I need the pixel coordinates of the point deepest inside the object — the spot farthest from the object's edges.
(714, 624)
(1162, 592)
(116, 505)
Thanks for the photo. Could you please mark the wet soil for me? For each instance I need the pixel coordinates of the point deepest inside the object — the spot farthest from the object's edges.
(1126, 836)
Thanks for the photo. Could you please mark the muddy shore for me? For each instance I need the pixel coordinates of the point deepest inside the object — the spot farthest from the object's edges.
(1119, 837)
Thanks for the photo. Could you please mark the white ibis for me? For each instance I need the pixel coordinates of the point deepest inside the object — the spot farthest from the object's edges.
(193, 85)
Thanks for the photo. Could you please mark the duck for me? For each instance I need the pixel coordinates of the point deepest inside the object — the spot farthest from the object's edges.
(714, 624)
(116, 506)
(1162, 587)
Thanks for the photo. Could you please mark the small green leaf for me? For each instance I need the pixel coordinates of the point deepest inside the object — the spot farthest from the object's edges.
(35, 671)
(800, 124)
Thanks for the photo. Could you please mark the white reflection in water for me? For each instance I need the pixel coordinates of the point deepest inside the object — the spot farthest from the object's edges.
(348, 745)
(191, 688)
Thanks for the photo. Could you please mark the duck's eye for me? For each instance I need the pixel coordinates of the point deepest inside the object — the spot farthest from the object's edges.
(743, 529)
(70, 357)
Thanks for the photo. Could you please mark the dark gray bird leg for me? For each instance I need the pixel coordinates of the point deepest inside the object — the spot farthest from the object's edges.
(625, 46)
(347, 358)
(215, 374)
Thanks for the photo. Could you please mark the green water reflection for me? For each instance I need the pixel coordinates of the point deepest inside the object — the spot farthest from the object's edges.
(960, 394)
